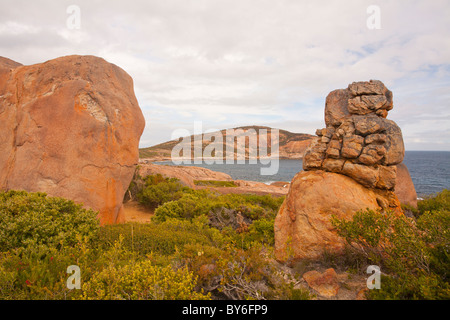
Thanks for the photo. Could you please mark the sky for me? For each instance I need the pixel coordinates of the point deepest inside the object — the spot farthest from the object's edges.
(229, 63)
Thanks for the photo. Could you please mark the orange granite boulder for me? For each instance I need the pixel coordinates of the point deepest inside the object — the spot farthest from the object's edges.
(71, 128)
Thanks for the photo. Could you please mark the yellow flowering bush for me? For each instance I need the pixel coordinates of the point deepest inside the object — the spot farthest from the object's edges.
(28, 219)
(142, 281)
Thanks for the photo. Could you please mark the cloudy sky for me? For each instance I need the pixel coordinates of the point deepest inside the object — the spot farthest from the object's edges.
(251, 62)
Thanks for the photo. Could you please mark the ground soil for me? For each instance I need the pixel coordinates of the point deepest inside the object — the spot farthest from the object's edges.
(135, 212)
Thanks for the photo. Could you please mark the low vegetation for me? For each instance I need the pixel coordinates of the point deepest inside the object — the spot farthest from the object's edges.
(413, 253)
(215, 183)
(203, 245)
(200, 245)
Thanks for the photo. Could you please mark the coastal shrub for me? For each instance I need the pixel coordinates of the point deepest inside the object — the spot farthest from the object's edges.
(142, 281)
(440, 201)
(194, 203)
(435, 227)
(40, 272)
(163, 238)
(34, 219)
(414, 255)
(201, 260)
(189, 206)
(215, 183)
(262, 231)
(249, 274)
(243, 273)
(255, 206)
(159, 190)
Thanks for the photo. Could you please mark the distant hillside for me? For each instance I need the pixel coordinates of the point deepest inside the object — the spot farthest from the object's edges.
(291, 145)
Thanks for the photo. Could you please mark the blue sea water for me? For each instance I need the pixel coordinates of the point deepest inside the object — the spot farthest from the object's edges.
(430, 170)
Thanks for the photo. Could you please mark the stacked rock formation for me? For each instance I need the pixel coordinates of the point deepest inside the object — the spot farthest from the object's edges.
(350, 166)
(358, 140)
(70, 127)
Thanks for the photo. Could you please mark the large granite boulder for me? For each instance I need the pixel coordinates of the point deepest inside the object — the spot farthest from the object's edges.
(404, 186)
(303, 229)
(71, 128)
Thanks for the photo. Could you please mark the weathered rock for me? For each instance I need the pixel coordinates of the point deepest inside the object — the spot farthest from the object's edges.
(357, 130)
(347, 128)
(376, 129)
(365, 175)
(367, 104)
(282, 184)
(370, 88)
(333, 165)
(404, 186)
(387, 177)
(372, 154)
(376, 138)
(352, 146)
(314, 154)
(395, 148)
(360, 98)
(302, 227)
(334, 149)
(367, 125)
(325, 284)
(351, 166)
(361, 295)
(336, 107)
(381, 177)
(70, 128)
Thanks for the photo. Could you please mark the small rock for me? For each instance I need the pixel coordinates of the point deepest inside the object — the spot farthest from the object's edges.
(326, 284)
(365, 175)
(352, 146)
(333, 165)
(361, 295)
(372, 154)
(376, 138)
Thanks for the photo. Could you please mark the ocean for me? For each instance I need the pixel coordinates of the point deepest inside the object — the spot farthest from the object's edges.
(430, 170)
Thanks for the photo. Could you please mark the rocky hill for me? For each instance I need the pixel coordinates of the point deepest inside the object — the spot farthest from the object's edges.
(291, 145)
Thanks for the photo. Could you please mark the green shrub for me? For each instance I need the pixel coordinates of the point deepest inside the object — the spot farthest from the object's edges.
(142, 281)
(386, 238)
(418, 287)
(249, 274)
(162, 238)
(189, 206)
(414, 255)
(262, 231)
(154, 195)
(440, 201)
(215, 183)
(40, 272)
(194, 203)
(34, 219)
(435, 226)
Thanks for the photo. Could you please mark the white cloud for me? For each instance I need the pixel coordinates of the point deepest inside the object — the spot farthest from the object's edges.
(251, 61)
